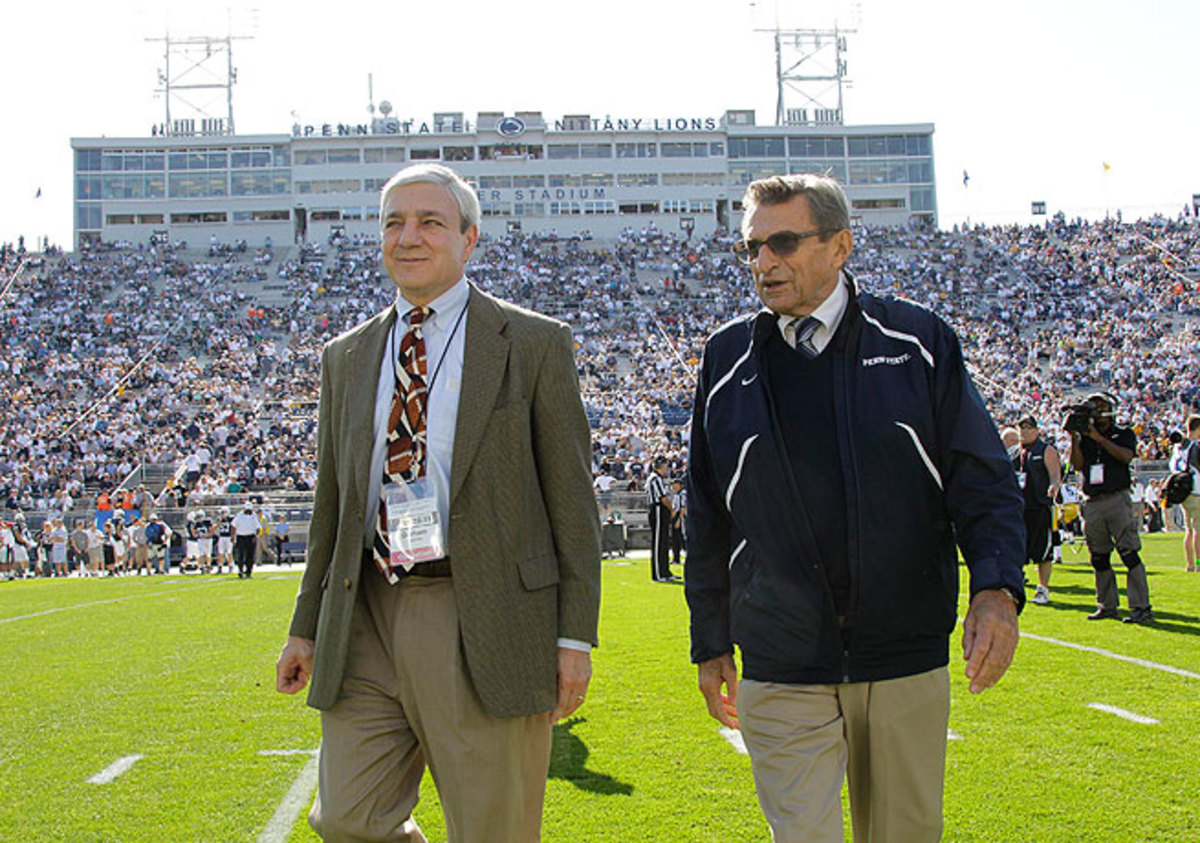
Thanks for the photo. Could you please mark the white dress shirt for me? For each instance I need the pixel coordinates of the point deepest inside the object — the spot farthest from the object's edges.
(829, 314)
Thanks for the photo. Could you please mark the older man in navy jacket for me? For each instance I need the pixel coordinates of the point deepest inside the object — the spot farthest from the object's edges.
(840, 456)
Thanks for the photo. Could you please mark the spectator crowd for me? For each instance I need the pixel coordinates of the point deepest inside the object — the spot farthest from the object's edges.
(207, 362)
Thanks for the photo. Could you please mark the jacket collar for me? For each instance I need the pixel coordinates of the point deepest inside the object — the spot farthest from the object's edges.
(766, 321)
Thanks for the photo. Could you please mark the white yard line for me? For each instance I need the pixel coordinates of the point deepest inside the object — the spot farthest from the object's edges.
(1165, 668)
(101, 603)
(297, 799)
(109, 773)
(1123, 714)
(735, 739)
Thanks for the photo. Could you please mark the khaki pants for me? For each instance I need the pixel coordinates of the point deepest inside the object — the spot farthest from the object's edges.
(887, 738)
(407, 700)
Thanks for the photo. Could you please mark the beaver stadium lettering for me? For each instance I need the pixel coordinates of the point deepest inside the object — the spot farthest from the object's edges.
(523, 195)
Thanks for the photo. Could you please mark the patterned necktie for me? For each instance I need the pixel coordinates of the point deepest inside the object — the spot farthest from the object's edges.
(803, 331)
(404, 459)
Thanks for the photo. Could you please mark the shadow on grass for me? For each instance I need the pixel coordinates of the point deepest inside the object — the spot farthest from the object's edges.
(1163, 620)
(568, 761)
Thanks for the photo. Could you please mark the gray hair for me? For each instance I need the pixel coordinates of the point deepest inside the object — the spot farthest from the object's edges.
(463, 194)
(826, 200)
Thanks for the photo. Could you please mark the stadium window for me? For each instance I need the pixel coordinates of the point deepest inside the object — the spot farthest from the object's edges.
(743, 174)
(271, 216)
(302, 158)
(382, 154)
(198, 218)
(562, 151)
(917, 144)
(496, 209)
(352, 213)
(495, 182)
(684, 150)
(344, 156)
(920, 171)
(150, 219)
(637, 208)
(88, 160)
(754, 147)
(373, 185)
(895, 144)
(87, 215)
(637, 179)
(529, 181)
(858, 147)
(458, 153)
(716, 149)
(692, 179)
(424, 154)
(112, 162)
(325, 216)
(876, 204)
(920, 198)
(636, 150)
(119, 219)
(595, 150)
(529, 209)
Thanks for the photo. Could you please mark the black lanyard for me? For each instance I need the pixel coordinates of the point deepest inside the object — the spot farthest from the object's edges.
(436, 369)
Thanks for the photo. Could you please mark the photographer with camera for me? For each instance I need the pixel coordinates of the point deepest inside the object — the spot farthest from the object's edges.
(1102, 451)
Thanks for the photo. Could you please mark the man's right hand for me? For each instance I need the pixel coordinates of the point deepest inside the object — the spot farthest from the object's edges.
(294, 667)
(713, 674)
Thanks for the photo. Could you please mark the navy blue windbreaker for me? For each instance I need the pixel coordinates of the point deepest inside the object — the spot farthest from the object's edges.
(923, 470)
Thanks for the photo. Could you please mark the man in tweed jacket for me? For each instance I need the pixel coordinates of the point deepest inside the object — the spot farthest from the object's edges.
(465, 669)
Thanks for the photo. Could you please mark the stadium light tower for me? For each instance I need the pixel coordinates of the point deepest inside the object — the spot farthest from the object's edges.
(809, 64)
(202, 70)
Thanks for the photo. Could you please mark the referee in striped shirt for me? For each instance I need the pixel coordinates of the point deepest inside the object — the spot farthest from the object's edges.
(658, 496)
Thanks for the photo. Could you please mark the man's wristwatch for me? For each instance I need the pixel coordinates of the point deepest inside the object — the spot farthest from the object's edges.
(1011, 594)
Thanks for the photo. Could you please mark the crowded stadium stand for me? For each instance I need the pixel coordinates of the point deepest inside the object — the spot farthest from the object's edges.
(193, 369)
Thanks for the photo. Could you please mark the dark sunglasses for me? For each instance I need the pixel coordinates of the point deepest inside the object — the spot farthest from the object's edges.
(782, 243)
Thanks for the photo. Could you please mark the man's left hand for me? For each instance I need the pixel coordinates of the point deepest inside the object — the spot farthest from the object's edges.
(989, 638)
(574, 672)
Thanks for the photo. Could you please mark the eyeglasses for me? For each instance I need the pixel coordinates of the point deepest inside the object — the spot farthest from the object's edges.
(782, 243)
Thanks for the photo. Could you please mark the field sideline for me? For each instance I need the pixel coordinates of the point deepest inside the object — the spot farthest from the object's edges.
(161, 691)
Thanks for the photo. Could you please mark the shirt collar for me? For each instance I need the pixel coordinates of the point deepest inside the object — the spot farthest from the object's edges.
(829, 313)
(445, 307)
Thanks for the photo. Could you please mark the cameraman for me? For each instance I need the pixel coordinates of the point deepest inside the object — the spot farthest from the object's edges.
(1103, 454)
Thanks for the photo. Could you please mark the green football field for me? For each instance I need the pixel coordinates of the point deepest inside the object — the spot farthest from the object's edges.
(144, 710)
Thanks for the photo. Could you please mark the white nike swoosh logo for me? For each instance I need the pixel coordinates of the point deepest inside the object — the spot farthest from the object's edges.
(749, 380)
